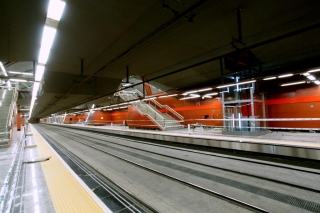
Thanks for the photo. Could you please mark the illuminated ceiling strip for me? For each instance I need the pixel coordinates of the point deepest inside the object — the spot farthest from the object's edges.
(270, 78)
(317, 82)
(55, 10)
(284, 76)
(316, 70)
(3, 69)
(215, 93)
(240, 83)
(188, 98)
(294, 83)
(20, 73)
(18, 80)
(311, 77)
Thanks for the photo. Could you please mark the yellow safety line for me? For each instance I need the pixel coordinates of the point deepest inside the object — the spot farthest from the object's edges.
(67, 194)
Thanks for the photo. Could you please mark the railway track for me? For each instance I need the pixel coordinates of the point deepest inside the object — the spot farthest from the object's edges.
(91, 141)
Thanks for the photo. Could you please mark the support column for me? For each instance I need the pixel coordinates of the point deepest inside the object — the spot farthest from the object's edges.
(18, 118)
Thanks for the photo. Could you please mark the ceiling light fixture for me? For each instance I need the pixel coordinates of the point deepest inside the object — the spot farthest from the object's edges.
(188, 98)
(270, 78)
(316, 70)
(55, 9)
(206, 89)
(293, 83)
(3, 69)
(311, 77)
(20, 73)
(193, 91)
(284, 76)
(195, 95)
(18, 80)
(240, 83)
(215, 93)
(46, 43)
(39, 72)
(317, 82)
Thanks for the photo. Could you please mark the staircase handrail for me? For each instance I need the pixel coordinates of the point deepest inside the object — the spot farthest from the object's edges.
(167, 107)
(11, 108)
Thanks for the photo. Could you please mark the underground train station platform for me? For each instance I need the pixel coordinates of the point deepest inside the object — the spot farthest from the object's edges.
(45, 182)
(293, 144)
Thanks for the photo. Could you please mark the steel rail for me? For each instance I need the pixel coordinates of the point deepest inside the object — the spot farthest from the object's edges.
(199, 152)
(195, 186)
(206, 165)
(88, 170)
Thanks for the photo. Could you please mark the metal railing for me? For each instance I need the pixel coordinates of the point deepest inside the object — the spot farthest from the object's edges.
(152, 112)
(168, 108)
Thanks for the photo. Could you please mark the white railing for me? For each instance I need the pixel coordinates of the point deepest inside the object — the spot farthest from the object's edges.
(160, 105)
(145, 109)
(12, 106)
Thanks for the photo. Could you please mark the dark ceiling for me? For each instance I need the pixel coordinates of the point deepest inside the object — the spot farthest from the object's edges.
(154, 38)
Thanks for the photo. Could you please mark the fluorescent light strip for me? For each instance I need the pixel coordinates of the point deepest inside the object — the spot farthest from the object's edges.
(193, 91)
(20, 73)
(19, 80)
(3, 69)
(311, 77)
(46, 43)
(172, 95)
(201, 90)
(294, 83)
(316, 70)
(215, 93)
(270, 78)
(228, 85)
(284, 76)
(195, 95)
(188, 98)
(317, 82)
(39, 72)
(55, 9)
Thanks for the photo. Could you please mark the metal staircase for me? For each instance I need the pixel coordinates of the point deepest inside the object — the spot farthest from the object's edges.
(167, 120)
(7, 104)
